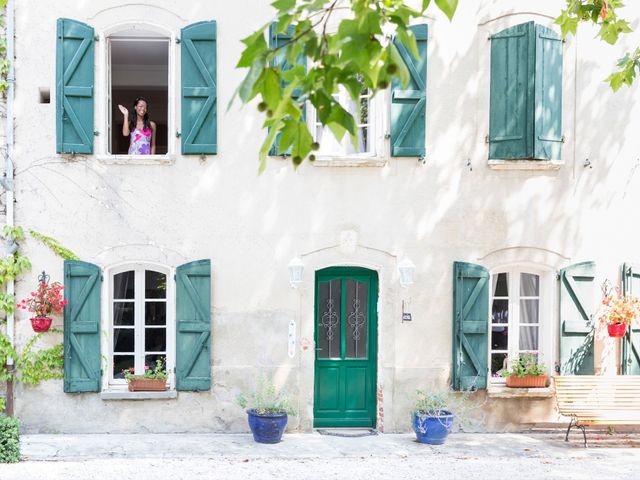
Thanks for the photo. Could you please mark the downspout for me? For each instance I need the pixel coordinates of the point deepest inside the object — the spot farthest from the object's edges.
(8, 185)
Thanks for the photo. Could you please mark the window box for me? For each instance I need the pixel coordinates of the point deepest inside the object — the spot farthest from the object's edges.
(147, 384)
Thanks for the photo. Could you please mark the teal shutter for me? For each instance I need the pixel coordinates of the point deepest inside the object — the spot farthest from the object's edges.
(193, 326)
(277, 39)
(199, 92)
(470, 326)
(548, 95)
(511, 93)
(74, 87)
(82, 284)
(576, 312)
(631, 341)
(408, 107)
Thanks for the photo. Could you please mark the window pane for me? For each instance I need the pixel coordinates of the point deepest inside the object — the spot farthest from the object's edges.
(499, 338)
(529, 285)
(364, 110)
(364, 144)
(123, 313)
(500, 285)
(329, 319)
(529, 311)
(528, 338)
(498, 362)
(500, 311)
(155, 284)
(150, 361)
(357, 316)
(155, 339)
(123, 340)
(123, 286)
(155, 313)
(120, 363)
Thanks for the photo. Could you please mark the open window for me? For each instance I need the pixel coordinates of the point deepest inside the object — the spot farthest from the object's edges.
(138, 67)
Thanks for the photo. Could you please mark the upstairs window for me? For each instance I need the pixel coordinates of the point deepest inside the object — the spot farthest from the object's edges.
(526, 94)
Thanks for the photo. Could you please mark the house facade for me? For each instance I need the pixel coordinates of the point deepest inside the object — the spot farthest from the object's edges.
(506, 174)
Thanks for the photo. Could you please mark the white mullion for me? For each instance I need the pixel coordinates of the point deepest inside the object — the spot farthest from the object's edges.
(139, 320)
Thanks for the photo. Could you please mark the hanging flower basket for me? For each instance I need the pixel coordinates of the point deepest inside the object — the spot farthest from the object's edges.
(616, 330)
(41, 324)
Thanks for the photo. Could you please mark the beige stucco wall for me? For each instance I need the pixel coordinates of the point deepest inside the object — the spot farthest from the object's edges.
(451, 207)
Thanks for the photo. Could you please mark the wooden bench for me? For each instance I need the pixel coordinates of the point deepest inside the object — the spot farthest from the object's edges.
(598, 400)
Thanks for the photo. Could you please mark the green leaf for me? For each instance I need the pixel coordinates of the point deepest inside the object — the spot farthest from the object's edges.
(255, 46)
(425, 4)
(402, 72)
(246, 91)
(408, 39)
(266, 145)
(271, 92)
(284, 5)
(448, 7)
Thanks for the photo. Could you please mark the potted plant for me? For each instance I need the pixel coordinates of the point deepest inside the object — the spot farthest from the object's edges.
(525, 372)
(46, 300)
(153, 379)
(268, 411)
(617, 311)
(431, 417)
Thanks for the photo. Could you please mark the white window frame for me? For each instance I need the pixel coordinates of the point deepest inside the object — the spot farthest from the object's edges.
(103, 95)
(379, 123)
(139, 267)
(547, 323)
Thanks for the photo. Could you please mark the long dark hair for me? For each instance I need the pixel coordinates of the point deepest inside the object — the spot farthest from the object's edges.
(133, 116)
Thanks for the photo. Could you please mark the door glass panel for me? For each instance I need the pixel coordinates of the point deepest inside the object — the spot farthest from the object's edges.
(500, 285)
(155, 340)
(123, 340)
(498, 362)
(529, 311)
(529, 285)
(120, 363)
(123, 313)
(499, 338)
(357, 316)
(529, 338)
(123, 285)
(155, 284)
(155, 313)
(500, 311)
(329, 319)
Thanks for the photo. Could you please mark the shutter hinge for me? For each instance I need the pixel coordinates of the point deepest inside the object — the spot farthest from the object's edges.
(177, 39)
(558, 276)
(562, 138)
(96, 133)
(174, 277)
(387, 136)
(486, 139)
(178, 134)
(101, 277)
(96, 38)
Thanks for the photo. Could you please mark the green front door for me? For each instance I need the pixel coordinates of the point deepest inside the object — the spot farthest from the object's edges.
(346, 340)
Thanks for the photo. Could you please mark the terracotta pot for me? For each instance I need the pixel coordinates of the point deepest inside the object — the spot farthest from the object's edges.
(147, 385)
(528, 381)
(41, 324)
(616, 330)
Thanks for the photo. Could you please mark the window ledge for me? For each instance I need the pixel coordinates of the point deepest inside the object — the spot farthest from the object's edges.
(127, 395)
(502, 391)
(350, 162)
(167, 159)
(525, 164)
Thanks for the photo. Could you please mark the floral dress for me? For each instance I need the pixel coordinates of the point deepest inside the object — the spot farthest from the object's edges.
(140, 142)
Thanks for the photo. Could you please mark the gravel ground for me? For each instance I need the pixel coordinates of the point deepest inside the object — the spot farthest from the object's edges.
(314, 456)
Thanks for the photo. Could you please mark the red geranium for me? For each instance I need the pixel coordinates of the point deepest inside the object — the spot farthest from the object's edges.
(45, 300)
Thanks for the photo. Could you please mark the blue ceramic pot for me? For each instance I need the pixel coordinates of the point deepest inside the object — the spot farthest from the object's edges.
(267, 427)
(432, 429)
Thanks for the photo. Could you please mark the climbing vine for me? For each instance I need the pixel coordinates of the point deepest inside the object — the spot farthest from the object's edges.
(31, 366)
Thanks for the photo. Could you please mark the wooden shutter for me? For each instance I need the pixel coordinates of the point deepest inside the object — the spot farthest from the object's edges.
(631, 341)
(470, 326)
(199, 92)
(548, 95)
(74, 87)
(82, 284)
(512, 87)
(277, 39)
(193, 326)
(576, 312)
(408, 106)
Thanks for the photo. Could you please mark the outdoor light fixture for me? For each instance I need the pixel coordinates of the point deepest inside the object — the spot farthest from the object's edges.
(406, 268)
(296, 268)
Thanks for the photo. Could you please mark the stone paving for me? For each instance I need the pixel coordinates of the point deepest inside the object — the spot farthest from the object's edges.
(302, 456)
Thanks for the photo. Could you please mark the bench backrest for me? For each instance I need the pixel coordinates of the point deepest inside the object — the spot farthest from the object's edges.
(599, 397)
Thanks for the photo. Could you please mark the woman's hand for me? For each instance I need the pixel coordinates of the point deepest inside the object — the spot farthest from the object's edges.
(125, 122)
(123, 110)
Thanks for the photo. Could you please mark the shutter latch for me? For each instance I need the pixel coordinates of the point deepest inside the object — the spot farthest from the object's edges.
(178, 134)
(96, 133)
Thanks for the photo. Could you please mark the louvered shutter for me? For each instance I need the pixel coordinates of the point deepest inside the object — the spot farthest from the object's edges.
(199, 92)
(74, 87)
(82, 284)
(631, 341)
(408, 106)
(548, 95)
(576, 312)
(470, 326)
(193, 326)
(278, 39)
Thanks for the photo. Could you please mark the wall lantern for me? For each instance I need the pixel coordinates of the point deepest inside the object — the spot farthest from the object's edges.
(406, 268)
(296, 267)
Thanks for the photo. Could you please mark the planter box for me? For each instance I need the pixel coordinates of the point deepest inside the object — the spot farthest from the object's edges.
(147, 385)
(528, 381)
